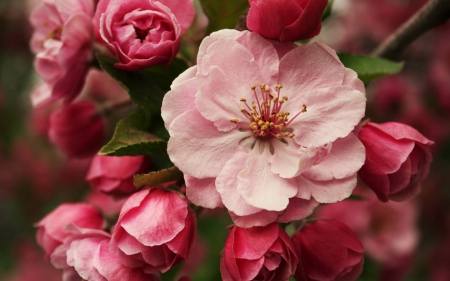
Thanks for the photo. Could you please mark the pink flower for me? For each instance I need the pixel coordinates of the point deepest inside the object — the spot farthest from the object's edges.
(155, 230)
(114, 175)
(286, 20)
(29, 265)
(398, 160)
(51, 228)
(62, 44)
(388, 231)
(86, 251)
(78, 129)
(258, 253)
(328, 250)
(265, 165)
(142, 33)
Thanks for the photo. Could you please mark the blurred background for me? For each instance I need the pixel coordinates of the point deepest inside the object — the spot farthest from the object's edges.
(35, 176)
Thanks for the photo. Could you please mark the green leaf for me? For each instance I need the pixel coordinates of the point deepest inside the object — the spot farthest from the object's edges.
(155, 178)
(327, 12)
(146, 87)
(131, 138)
(370, 68)
(223, 13)
(355, 198)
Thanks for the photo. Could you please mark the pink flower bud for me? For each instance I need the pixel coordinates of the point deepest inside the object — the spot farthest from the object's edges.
(155, 230)
(51, 228)
(77, 129)
(328, 250)
(286, 20)
(142, 33)
(114, 175)
(397, 160)
(258, 253)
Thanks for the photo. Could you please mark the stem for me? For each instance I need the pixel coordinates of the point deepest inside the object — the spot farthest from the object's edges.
(434, 13)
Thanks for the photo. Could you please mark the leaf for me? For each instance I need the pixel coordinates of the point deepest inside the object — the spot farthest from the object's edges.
(354, 197)
(132, 139)
(327, 12)
(146, 87)
(370, 68)
(155, 178)
(223, 13)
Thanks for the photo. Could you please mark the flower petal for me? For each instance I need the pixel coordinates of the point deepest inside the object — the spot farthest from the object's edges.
(148, 222)
(200, 150)
(181, 97)
(384, 150)
(203, 192)
(298, 209)
(227, 183)
(260, 187)
(348, 150)
(253, 243)
(326, 191)
(331, 113)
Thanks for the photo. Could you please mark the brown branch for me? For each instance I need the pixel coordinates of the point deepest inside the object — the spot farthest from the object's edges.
(434, 13)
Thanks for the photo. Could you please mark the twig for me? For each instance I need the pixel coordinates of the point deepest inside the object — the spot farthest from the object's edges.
(434, 13)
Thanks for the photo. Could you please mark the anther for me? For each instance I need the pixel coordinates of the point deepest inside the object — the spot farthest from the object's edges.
(304, 108)
(253, 87)
(243, 99)
(234, 120)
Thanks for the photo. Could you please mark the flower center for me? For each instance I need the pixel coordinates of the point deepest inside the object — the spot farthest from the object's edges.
(141, 34)
(267, 120)
(55, 34)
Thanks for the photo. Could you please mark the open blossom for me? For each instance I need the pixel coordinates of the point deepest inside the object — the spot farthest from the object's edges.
(264, 127)
(398, 160)
(142, 33)
(328, 250)
(286, 20)
(114, 175)
(62, 44)
(155, 231)
(86, 252)
(51, 232)
(258, 253)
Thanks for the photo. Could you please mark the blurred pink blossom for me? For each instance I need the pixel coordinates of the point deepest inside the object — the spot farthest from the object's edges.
(86, 251)
(31, 266)
(78, 129)
(62, 44)
(388, 231)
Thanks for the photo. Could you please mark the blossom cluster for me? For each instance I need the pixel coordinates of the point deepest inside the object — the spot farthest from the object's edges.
(258, 125)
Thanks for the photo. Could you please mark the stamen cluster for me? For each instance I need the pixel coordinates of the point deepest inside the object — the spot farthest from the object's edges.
(265, 115)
